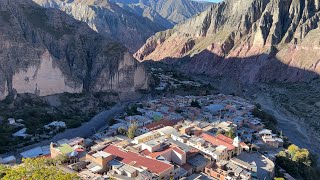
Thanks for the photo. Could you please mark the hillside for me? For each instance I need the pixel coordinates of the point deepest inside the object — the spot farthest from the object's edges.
(248, 40)
(164, 12)
(45, 52)
(109, 19)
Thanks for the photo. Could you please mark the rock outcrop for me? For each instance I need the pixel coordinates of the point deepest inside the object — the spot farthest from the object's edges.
(164, 12)
(45, 52)
(108, 19)
(251, 40)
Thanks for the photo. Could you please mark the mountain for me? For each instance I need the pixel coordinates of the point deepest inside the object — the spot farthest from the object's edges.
(248, 40)
(108, 19)
(45, 52)
(164, 12)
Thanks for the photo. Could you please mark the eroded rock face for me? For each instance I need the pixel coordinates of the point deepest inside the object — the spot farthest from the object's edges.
(45, 52)
(108, 19)
(252, 40)
(164, 12)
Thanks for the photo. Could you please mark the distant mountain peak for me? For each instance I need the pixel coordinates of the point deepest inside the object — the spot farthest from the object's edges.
(282, 31)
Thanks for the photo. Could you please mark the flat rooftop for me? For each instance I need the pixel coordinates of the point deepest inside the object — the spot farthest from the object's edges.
(101, 154)
(65, 148)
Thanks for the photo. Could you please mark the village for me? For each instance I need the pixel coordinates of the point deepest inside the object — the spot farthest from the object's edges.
(183, 137)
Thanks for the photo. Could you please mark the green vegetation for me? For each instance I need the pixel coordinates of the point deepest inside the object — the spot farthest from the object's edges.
(299, 163)
(39, 168)
(133, 110)
(112, 122)
(122, 131)
(231, 134)
(61, 159)
(268, 120)
(132, 131)
(195, 103)
(73, 109)
(3, 170)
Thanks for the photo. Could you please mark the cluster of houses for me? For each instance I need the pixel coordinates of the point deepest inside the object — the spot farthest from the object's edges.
(186, 137)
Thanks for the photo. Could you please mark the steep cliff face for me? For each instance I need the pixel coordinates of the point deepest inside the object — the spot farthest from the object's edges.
(253, 40)
(108, 19)
(45, 52)
(164, 12)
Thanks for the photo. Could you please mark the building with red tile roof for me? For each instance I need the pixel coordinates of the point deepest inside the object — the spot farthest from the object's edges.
(217, 141)
(159, 168)
(233, 145)
(225, 138)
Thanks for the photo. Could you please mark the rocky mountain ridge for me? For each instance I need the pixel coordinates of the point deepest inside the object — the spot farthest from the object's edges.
(108, 19)
(164, 12)
(45, 52)
(251, 40)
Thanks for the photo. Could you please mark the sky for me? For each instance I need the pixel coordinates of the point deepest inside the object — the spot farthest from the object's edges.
(211, 0)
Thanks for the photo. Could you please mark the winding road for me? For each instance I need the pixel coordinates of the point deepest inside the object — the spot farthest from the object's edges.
(85, 130)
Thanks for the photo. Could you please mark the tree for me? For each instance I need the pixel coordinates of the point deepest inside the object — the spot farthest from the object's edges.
(61, 159)
(112, 122)
(283, 154)
(132, 130)
(40, 169)
(302, 156)
(122, 131)
(292, 149)
(220, 132)
(195, 103)
(3, 170)
(231, 134)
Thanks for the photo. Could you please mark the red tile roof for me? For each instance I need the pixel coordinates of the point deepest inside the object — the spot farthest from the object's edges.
(160, 124)
(145, 152)
(217, 141)
(178, 150)
(225, 138)
(137, 160)
(165, 150)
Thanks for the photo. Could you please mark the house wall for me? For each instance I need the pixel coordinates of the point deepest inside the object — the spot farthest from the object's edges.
(167, 173)
(152, 136)
(103, 162)
(54, 152)
(214, 174)
(180, 159)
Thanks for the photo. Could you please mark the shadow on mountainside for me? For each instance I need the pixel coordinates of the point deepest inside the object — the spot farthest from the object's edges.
(247, 70)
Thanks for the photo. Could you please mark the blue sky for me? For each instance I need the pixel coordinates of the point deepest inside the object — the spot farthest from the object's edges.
(211, 0)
